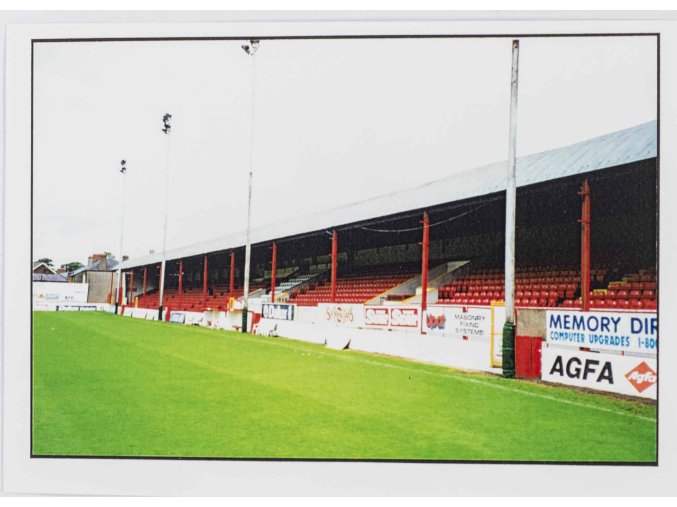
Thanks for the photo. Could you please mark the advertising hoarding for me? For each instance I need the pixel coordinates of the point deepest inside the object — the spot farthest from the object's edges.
(607, 331)
(633, 376)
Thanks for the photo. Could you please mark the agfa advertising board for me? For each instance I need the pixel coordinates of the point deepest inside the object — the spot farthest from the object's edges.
(633, 376)
(278, 311)
(622, 332)
(461, 322)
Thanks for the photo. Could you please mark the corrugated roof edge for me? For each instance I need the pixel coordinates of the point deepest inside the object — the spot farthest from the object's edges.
(616, 148)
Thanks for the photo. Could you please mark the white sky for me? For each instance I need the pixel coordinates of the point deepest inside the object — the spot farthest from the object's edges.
(336, 121)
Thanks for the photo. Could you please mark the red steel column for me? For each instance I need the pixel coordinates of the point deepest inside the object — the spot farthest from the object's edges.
(131, 288)
(181, 283)
(205, 277)
(145, 280)
(273, 274)
(585, 246)
(424, 262)
(231, 289)
(111, 295)
(334, 264)
(120, 289)
(161, 274)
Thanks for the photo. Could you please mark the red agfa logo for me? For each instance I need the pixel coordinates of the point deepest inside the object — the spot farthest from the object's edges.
(642, 377)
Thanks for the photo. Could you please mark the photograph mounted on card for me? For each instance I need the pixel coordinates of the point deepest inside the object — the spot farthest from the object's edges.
(258, 245)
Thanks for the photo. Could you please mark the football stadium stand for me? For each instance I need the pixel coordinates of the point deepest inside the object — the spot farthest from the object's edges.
(379, 248)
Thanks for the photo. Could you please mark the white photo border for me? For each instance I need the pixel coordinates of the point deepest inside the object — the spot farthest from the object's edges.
(21, 473)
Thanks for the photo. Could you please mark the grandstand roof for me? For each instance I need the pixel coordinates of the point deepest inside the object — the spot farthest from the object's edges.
(111, 265)
(626, 146)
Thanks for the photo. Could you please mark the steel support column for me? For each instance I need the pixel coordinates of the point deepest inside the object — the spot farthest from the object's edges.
(273, 273)
(424, 262)
(131, 288)
(181, 283)
(231, 287)
(334, 264)
(508, 345)
(161, 278)
(145, 280)
(585, 246)
(205, 281)
(120, 280)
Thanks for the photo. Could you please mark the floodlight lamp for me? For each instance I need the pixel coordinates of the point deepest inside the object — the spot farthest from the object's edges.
(251, 48)
(166, 119)
(123, 168)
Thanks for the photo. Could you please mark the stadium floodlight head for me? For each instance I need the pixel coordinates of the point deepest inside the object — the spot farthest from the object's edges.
(166, 120)
(123, 168)
(251, 48)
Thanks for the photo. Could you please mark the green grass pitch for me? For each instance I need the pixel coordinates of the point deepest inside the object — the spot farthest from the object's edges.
(115, 386)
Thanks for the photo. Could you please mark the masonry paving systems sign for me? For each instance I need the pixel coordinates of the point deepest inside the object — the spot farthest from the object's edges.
(626, 332)
(278, 311)
(461, 322)
(634, 376)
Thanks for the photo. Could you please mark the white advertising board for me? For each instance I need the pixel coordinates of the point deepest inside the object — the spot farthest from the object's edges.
(497, 323)
(188, 318)
(458, 321)
(633, 376)
(77, 307)
(59, 292)
(393, 317)
(278, 311)
(620, 332)
(345, 315)
(151, 314)
(139, 313)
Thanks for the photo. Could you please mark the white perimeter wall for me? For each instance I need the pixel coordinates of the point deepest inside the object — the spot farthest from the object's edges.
(472, 354)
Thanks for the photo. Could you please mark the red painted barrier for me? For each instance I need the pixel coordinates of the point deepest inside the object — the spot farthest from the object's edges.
(528, 357)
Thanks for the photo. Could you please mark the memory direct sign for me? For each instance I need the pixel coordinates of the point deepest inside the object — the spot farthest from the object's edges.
(620, 332)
